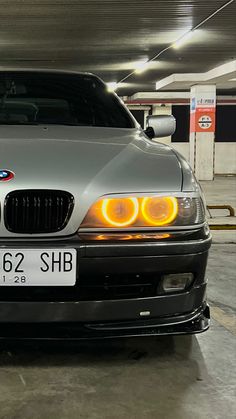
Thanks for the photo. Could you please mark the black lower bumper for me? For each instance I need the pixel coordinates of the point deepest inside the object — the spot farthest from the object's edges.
(191, 323)
(60, 313)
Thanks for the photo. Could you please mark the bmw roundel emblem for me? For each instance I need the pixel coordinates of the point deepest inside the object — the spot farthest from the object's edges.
(6, 175)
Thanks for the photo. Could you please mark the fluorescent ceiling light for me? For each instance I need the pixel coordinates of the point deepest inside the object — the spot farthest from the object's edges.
(143, 66)
(232, 79)
(181, 41)
(112, 86)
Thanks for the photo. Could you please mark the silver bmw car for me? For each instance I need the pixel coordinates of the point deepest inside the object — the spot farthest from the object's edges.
(102, 230)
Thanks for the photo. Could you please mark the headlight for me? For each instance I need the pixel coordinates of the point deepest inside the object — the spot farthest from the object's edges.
(120, 212)
(146, 211)
(159, 211)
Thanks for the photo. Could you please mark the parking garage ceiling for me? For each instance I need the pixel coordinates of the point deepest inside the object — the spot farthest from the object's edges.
(111, 37)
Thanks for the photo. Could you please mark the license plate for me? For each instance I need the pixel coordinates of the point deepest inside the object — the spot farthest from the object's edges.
(38, 267)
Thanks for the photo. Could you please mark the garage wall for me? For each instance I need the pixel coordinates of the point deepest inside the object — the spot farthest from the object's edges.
(225, 156)
(225, 137)
(225, 141)
(182, 148)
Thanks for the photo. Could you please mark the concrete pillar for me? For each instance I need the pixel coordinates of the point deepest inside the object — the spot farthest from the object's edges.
(202, 130)
(162, 110)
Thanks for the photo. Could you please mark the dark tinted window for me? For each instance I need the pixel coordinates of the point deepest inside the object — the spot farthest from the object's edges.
(139, 116)
(182, 115)
(59, 98)
(225, 123)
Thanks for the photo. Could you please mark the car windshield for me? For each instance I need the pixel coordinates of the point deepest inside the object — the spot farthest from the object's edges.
(32, 98)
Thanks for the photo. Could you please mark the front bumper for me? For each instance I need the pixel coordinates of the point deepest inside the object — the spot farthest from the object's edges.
(191, 323)
(63, 314)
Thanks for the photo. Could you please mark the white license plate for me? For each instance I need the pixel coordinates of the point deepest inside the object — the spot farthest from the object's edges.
(37, 267)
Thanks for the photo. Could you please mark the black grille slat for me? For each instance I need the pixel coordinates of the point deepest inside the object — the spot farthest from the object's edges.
(23, 212)
(46, 205)
(61, 208)
(37, 211)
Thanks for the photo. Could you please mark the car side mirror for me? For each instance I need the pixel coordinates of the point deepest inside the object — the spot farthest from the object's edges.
(160, 126)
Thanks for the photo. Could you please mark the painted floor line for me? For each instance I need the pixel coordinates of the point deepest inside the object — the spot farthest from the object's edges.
(228, 321)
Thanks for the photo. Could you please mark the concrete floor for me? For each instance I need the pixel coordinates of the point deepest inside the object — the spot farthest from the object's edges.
(221, 191)
(166, 377)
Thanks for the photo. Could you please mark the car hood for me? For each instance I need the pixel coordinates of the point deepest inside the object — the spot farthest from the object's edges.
(87, 162)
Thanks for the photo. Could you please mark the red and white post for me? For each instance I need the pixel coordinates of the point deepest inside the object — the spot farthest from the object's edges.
(202, 130)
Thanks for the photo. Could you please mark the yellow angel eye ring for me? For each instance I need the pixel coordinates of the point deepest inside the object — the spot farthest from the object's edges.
(165, 214)
(123, 220)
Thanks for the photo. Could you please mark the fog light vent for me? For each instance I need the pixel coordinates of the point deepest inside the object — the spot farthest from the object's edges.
(176, 282)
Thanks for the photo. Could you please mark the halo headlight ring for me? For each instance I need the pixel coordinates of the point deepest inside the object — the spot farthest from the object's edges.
(159, 210)
(128, 218)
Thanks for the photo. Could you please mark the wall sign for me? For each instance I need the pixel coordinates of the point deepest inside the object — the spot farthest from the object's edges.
(205, 122)
(202, 113)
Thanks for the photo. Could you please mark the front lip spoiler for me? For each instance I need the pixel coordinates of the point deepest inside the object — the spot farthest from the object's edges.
(191, 323)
